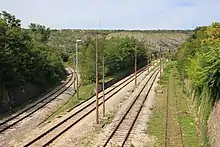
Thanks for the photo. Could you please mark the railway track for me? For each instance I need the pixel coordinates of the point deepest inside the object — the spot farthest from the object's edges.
(27, 112)
(173, 131)
(46, 137)
(120, 134)
(108, 89)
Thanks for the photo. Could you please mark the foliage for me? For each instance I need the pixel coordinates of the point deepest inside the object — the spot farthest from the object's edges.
(39, 33)
(24, 60)
(200, 57)
(119, 55)
(199, 61)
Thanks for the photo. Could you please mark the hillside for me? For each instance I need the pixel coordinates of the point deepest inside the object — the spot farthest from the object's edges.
(169, 39)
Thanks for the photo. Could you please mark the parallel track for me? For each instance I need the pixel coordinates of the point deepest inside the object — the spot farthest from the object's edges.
(5, 125)
(50, 135)
(177, 110)
(123, 129)
(140, 71)
(166, 136)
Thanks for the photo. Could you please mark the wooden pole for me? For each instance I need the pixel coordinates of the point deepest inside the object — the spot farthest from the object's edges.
(135, 67)
(160, 62)
(148, 59)
(77, 71)
(97, 83)
(103, 83)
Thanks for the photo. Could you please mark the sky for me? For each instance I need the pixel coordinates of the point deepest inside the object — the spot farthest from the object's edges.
(115, 14)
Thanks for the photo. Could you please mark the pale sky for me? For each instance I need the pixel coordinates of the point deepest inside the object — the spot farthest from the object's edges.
(115, 14)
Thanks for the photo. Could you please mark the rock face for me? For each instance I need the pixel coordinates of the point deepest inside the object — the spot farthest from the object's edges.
(214, 125)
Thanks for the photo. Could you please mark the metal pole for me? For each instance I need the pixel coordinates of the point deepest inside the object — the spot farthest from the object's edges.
(77, 72)
(97, 83)
(135, 66)
(103, 83)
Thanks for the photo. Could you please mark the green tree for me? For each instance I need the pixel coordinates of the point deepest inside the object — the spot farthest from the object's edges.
(40, 33)
(24, 60)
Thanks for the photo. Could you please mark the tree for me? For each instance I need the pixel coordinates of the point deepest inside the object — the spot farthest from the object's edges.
(40, 33)
(24, 60)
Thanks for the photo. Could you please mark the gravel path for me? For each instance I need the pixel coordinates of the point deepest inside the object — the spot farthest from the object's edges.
(31, 122)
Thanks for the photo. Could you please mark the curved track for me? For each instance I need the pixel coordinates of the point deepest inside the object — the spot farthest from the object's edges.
(86, 107)
(125, 125)
(10, 122)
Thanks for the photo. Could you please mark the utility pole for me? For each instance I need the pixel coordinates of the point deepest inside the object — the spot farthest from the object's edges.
(148, 61)
(135, 67)
(160, 62)
(150, 55)
(97, 81)
(77, 71)
(103, 83)
(163, 61)
(74, 64)
(103, 78)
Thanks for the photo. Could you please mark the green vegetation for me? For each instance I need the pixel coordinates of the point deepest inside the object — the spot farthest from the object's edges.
(119, 56)
(179, 107)
(85, 92)
(186, 115)
(25, 62)
(199, 62)
(119, 59)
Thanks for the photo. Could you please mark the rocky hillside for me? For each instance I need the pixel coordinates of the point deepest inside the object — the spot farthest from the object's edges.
(168, 39)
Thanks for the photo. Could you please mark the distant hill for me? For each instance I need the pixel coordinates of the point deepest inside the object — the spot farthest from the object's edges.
(168, 39)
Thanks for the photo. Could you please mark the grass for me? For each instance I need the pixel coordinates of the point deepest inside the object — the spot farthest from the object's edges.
(85, 91)
(185, 118)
